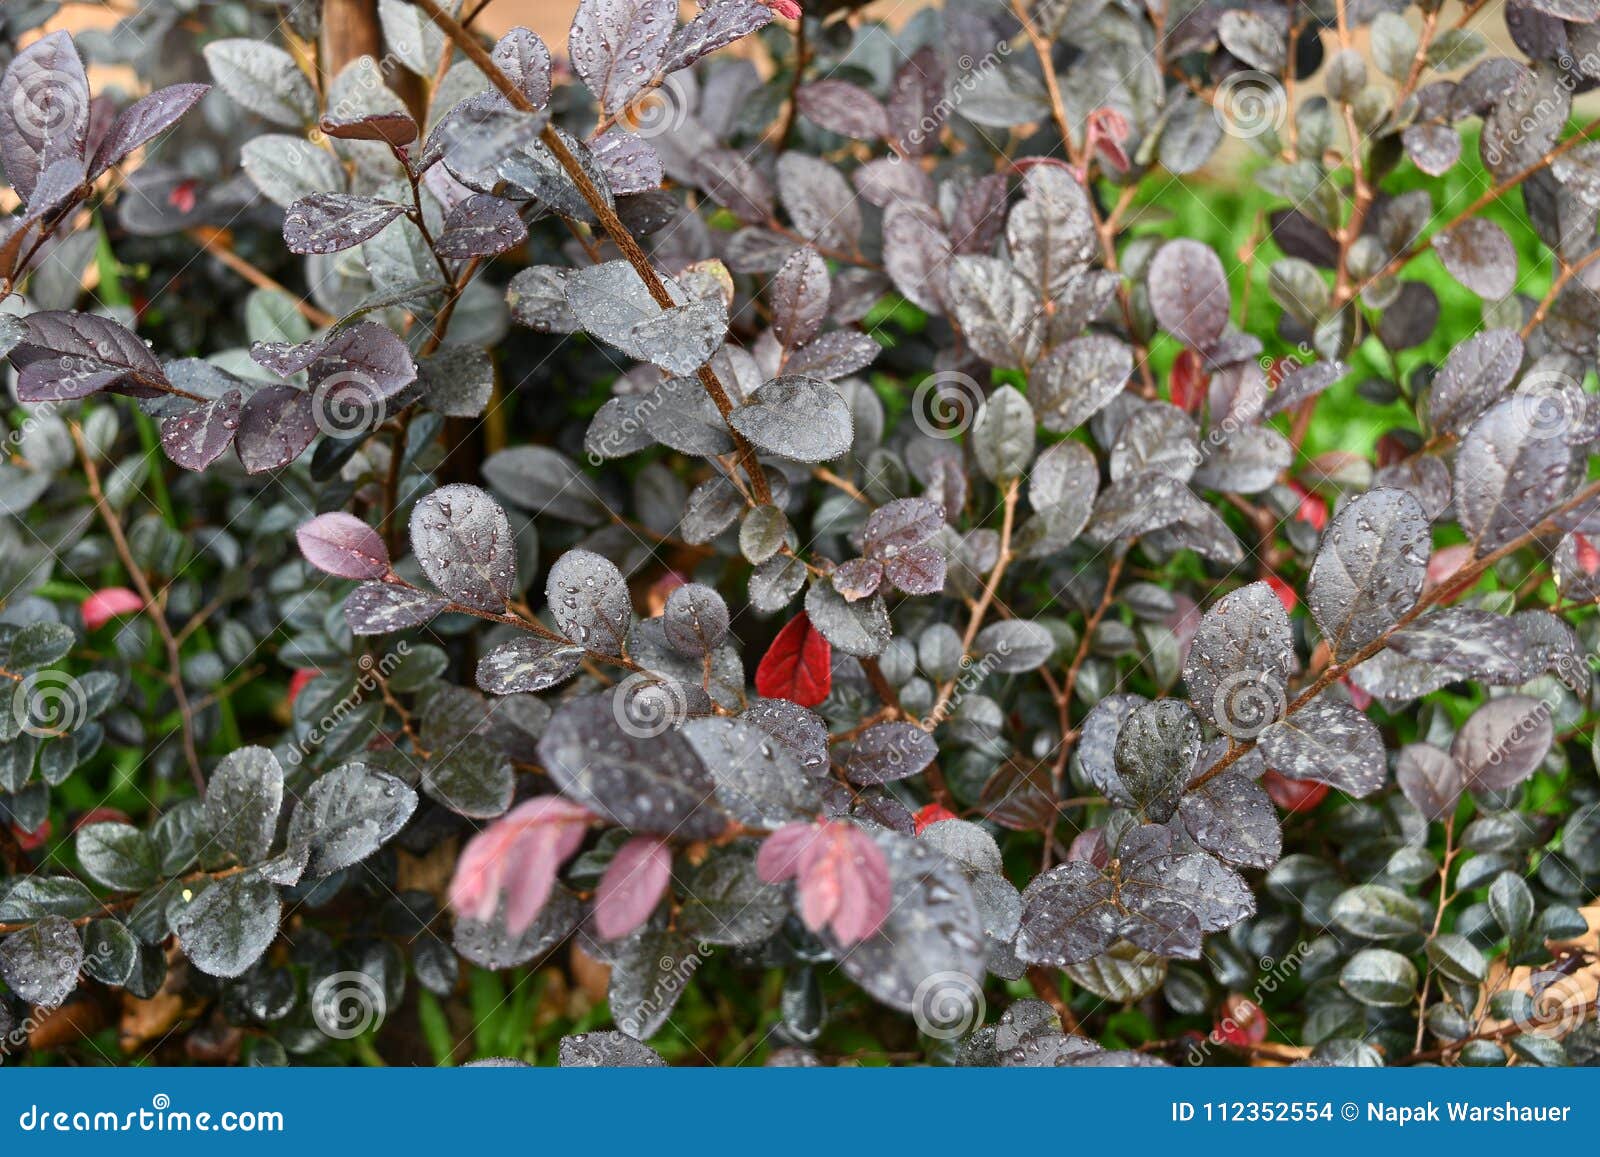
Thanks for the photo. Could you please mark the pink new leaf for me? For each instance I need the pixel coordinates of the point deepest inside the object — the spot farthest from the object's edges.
(107, 603)
(841, 874)
(343, 545)
(632, 886)
(518, 856)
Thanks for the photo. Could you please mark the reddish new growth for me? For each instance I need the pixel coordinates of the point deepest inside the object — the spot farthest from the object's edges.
(108, 603)
(1107, 132)
(517, 856)
(1240, 1023)
(1293, 795)
(798, 666)
(632, 886)
(841, 873)
(1188, 381)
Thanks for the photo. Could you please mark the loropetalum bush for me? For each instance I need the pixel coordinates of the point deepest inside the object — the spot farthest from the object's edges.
(765, 534)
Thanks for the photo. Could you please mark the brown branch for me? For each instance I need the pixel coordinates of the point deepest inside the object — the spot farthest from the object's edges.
(609, 221)
(216, 243)
(155, 612)
(1445, 591)
(1503, 1033)
(981, 607)
(1489, 196)
(802, 57)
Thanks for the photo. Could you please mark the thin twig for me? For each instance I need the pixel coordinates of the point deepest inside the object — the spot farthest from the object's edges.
(156, 614)
(215, 242)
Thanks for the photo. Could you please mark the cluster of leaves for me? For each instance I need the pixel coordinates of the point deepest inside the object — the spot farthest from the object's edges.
(944, 598)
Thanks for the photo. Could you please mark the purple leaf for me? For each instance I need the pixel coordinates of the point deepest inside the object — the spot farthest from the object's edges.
(143, 120)
(44, 99)
(617, 45)
(858, 578)
(481, 226)
(630, 163)
(800, 298)
(341, 544)
(275, 427)
(523, 57)
(843, 108)
(1189, 292)
(196, 437)
(72, 355)
(914, 101)
(395, 128)
(716, 26)
(329, 222)
(632, 886)
(378, 608)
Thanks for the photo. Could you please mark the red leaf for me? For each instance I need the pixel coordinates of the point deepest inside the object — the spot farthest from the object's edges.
(1188, 381)
(34, 840)
(1588, 556)
(929, 814)
(107, 603)
(298, 681)
(1240, 1022)
(1284, 591)
(1313, 507)
(517, 857)
(798, 666)
(1293, 795)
